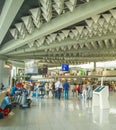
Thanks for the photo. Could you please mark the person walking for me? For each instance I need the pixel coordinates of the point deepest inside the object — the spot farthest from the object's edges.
(58, 88)
(66, 88)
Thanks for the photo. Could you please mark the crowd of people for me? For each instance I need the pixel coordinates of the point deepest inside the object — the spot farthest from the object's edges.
(85, 90)
(59, 89)
(51, 89)
(21, 93)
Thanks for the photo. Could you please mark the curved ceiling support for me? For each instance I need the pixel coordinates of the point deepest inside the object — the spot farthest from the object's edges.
(8, 14)
(79, 14)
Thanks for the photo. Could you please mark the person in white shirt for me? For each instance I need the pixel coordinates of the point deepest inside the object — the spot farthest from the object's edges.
(84, 91)
(58, 88)
(47, 89)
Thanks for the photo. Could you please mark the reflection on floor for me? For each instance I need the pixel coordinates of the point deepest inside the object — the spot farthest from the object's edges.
(72, 114)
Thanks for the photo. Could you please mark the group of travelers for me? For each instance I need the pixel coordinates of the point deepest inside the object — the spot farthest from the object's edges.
(52, 89)
(55, 89)
(14, 97)
(59, 87)
(85, 90)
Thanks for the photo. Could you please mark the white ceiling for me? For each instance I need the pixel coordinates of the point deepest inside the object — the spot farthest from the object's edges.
(59, 31)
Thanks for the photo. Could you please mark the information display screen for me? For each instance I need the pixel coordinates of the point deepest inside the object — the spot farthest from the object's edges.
(100, 88)
(42, 69)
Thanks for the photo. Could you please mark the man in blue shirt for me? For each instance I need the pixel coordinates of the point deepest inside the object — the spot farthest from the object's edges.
(66, 88)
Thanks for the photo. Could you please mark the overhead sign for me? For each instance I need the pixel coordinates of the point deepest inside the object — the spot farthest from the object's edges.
(65, 67)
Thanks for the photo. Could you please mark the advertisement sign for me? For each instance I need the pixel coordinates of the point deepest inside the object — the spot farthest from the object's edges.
(31, 67)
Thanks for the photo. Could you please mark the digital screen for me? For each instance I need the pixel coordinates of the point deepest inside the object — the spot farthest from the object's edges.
(65, 67)
(42, 69)
(98, 89)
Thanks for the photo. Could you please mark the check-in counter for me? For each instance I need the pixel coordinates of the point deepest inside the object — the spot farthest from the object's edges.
(109, 73)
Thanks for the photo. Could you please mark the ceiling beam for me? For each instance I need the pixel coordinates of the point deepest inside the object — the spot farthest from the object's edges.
(113, 42)
(61, 54)
(106, 41)
(79, 14)
(94, 45)
(65, 42)
(7, 16)
(101, 44)
(82, 59)
(17, 63)
(3, 57)
(88, 45)
(93, 51)
(78, 59)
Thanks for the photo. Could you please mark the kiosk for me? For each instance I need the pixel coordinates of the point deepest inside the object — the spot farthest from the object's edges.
(100, 97)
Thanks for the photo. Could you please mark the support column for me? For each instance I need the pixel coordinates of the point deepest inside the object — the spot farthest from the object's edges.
(4, 74)
(94, 69)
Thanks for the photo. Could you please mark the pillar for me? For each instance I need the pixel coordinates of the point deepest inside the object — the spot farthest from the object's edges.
(94, 66)
(4, 74)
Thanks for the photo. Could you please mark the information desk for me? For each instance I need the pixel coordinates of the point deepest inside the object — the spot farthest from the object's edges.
(101, 97)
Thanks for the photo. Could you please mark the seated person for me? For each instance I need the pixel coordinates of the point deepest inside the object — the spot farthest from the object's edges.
(6, 103)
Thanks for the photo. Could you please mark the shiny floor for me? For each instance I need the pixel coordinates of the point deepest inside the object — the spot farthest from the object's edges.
(72, 114)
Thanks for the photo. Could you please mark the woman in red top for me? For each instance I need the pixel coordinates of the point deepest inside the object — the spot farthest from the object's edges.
(78, 89)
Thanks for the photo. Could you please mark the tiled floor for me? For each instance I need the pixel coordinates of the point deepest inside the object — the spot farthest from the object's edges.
(52, 114)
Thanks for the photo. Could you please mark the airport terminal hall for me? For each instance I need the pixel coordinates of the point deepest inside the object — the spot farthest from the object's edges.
(57, 64)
